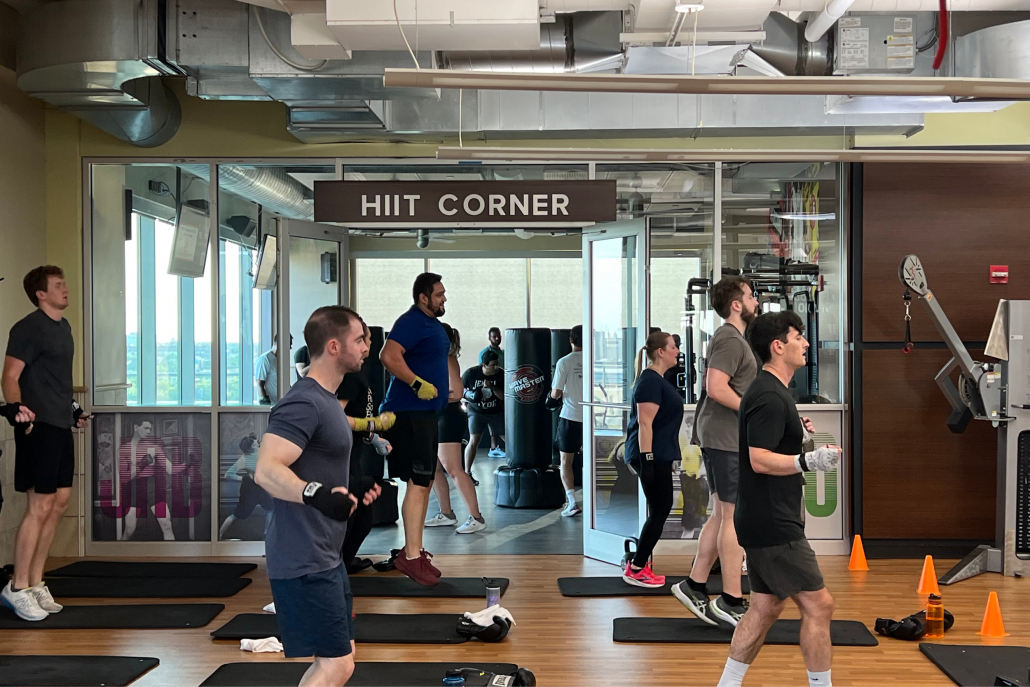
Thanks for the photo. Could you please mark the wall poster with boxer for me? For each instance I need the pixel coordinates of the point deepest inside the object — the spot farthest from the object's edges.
(151, 477)
(244, 508)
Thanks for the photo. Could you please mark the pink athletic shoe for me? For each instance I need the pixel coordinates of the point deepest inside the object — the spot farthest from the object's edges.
(644, 577)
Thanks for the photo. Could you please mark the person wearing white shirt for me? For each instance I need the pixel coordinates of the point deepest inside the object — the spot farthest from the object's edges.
(567, 389)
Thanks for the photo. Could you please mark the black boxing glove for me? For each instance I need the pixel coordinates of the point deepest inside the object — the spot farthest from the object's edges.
(494, 632)
(10, 411)
(331, 504)
(552, 403)
(910, 629)
(77, 412)
(474, 395)
(474, 677)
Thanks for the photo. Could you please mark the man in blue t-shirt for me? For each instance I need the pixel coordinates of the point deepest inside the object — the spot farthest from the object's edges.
(415, 354)
(304, 464)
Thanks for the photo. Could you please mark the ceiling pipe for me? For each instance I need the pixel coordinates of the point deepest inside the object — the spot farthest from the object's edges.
(827, 18)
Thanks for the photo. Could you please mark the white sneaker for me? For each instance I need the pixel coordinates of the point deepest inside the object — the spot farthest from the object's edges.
(571, 508)
(45, 599)
(440, 520)
(23, 603)
(471, 525)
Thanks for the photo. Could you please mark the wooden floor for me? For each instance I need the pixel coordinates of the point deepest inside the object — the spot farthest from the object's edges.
(568, 641)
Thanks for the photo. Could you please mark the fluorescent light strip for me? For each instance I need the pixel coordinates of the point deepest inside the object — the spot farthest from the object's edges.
(1005, 89)
(493, 154)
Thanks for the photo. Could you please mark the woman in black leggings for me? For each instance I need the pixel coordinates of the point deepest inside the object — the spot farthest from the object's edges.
(652, 445)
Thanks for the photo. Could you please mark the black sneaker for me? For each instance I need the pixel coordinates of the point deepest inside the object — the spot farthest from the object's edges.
(696, 602)
(389, 564)
(722, 611)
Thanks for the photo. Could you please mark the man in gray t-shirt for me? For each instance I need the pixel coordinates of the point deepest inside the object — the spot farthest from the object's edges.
(304, 464)
(731, 367)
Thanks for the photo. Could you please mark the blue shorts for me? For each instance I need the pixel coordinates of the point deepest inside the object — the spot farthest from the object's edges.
(315, 614)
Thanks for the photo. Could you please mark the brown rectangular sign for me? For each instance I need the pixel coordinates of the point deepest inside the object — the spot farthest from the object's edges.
(467, 202)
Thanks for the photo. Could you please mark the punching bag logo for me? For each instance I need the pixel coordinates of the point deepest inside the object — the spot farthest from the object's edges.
(526, 384)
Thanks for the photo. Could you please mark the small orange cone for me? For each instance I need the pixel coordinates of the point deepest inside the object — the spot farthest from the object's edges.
(992, 625)
(928, 579)
(858, 561)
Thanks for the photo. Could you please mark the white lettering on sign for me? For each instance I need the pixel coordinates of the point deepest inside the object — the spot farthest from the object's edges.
(411, 204)
(474, 198)
(496, 204)
(522, 205)
(559, 203)
(443, 199)
(366, 205)
(539, 203)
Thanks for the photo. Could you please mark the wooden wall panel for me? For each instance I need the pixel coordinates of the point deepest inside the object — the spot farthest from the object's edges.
(959, 220)
(920, 481)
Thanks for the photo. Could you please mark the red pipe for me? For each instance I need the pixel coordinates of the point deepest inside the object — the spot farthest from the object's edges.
(942, 37)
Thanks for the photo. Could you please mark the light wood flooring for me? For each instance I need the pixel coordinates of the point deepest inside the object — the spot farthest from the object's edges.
(568, 641)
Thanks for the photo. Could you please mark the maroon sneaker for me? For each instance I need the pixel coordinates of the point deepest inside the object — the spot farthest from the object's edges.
(417, 569)
(429, 561)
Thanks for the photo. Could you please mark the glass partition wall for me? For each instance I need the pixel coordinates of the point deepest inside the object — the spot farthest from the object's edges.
(183, 319)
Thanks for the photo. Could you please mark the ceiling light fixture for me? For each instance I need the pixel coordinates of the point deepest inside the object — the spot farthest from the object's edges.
(687, 7)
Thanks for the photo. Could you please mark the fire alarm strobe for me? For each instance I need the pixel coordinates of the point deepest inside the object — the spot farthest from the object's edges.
(999, 274)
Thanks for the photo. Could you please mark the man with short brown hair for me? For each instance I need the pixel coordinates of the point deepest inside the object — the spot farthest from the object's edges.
(38, 375)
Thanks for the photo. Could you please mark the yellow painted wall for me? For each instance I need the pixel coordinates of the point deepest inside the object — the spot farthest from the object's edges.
(1008, 126)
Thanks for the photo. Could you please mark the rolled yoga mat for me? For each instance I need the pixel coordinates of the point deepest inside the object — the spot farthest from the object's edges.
(695, 631)
(118, 617)
(369, 628)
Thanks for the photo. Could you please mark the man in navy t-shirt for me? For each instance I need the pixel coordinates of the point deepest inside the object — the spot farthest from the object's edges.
(416, 355)
(304, 464)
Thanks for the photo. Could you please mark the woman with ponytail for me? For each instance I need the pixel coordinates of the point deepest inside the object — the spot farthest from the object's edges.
(652, 445)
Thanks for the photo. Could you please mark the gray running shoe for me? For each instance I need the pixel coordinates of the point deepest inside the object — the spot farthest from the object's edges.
(696, 602)
(726, 613)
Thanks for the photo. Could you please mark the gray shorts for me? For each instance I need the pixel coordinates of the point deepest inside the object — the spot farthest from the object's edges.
(784, 570)
(480, 422)
(723, 470)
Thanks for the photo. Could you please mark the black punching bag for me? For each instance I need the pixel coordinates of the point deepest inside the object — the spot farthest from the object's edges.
(560, 347)
(527, 381)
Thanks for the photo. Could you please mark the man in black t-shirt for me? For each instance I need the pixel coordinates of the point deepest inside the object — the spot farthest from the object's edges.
(484, 390)
(768, 515)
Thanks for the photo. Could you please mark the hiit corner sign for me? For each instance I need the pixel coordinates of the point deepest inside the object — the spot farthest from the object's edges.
(439, 202)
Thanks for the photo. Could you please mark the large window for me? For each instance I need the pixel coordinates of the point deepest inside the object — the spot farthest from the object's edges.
(556, 292)
(382, 288)
(151, 310)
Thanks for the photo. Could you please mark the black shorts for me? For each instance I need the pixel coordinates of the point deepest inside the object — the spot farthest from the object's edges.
(784, 570)
(44, 459)
(570, 435)
(451, 424)
(251, 496)
(314, 614)
(480, 422)
(723, 470)
(415, 439)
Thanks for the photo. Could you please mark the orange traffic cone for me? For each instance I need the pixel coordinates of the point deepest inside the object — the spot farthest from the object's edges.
(928, 579)
(992, 625)
(858, 561)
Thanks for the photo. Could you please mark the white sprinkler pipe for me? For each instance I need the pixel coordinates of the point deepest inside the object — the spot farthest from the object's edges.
(825, 19)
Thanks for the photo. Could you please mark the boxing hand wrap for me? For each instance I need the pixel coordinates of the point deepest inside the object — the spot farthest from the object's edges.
(474, 395)
(10, 411)
(382, 422)
(359, 486)
(552, 403)
(488, 393)
(423, 389)
(381, 445)
(823, 458)
(334, 505)
(77, 412)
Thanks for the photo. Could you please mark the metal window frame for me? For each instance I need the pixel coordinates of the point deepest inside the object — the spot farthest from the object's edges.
(347, 295)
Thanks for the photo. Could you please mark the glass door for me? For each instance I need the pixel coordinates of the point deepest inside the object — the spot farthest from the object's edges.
(615, 285)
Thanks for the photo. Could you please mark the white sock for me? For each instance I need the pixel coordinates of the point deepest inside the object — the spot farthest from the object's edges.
(733, 673)
(819, 679)
(570, 494)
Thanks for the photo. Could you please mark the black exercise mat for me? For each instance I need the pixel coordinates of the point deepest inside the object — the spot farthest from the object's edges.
(395, 585)
(145, 587)
(369, 628)
(119, 617)
(150, 569)
(366, 673)
(972, 664)
(73, 671)
(616, 586)
(694, 631)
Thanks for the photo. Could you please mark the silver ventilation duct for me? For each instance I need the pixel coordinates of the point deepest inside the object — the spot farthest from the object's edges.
(997, 52)
(269, 187)
(786, 49)
(100, 60)
(579, 42)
